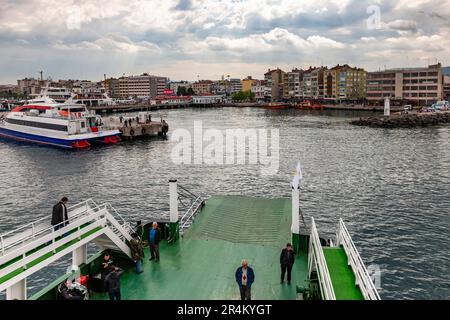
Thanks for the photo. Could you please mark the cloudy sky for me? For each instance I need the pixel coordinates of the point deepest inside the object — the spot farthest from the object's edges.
(190, 39)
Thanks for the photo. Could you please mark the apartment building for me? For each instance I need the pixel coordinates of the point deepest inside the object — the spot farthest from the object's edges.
(275, 80)
(259, 88)
(175, 85)
(112, 87)
(294, 83)
(317, 86)
(248, 83)
(446, 94)
(344, 83)
(306, 84)
(31, 86)
(158, 85)
(202, 87)
(417, 86)
(235, 85)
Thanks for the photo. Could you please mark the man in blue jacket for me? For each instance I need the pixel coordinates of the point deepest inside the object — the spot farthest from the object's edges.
(244, 278)
(153, 240)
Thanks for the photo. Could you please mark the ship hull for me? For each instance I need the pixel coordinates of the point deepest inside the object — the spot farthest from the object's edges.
(52, 141)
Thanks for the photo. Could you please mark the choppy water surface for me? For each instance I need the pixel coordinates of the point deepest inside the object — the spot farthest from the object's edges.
(391, 187)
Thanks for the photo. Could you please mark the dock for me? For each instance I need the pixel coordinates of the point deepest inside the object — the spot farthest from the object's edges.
(140, 126)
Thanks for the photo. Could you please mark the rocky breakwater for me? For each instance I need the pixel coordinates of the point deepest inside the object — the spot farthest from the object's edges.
(405, 120)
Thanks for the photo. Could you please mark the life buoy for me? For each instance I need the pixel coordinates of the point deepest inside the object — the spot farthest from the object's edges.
(143, 131)
(131, 132)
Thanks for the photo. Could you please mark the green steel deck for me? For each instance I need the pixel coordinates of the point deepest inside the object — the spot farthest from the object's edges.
(341, 274)
(203, 263)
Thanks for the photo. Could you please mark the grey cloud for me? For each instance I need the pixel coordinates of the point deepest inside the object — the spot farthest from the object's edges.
(183, 5)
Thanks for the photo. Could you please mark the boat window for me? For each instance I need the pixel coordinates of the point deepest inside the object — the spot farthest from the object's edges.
(42, 125)
(83, 124)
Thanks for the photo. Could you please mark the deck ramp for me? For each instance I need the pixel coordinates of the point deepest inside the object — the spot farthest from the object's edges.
(341, 275)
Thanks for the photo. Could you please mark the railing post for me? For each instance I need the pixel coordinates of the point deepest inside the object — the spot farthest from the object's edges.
(173, 208)
(53, 239)
(295, 227)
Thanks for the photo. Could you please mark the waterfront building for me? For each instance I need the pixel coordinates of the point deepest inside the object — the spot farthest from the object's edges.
(9, 88)
(275, 80)
(143, 86)
(112, 87)
(235, 85)
(123, 87)
(259, 88)
(416, 86)
(317, 88)
(202, 87)
(221, 87)
(171, 100)
(295, 78)
(139, 86)
(207, 99)
(344, 83)
(31, 86)
(248, 83)
(158, 85)
(306, 84)
(447, 88)
(175, 85)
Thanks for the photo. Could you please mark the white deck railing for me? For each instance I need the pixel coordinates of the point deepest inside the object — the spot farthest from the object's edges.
(187, 218)
(317, 258)
(363, 279)
(32, 230)
(42, 236)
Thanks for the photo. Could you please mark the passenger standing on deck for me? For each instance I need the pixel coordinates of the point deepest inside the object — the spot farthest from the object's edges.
(137, 252)
(112, 283)
(59, 215)
(244, 278)
(287, 259)
(106, 266)
(153, 240)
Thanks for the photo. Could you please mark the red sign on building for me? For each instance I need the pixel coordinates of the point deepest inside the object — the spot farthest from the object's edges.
(168, 91)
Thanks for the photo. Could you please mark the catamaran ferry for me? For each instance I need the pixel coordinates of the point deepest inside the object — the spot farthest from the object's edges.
(61, 125)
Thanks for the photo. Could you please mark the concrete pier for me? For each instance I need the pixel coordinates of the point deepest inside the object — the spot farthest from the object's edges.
(132, 127)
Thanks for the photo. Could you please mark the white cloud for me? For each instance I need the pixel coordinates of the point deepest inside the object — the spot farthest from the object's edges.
(277, 39)
(113, 42)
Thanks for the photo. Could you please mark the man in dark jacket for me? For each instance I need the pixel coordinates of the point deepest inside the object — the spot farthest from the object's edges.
(137, 252)
(287, 259)
(244, 278)
(112, 283)
(153, 240)
(59, 215)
